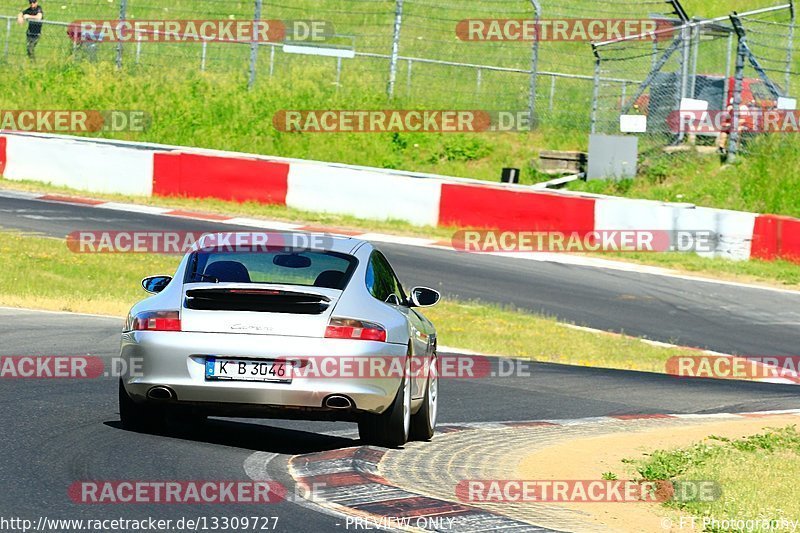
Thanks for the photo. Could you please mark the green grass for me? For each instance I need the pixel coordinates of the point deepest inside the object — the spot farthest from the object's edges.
(756, 474)
(214, 111)
(765, 181)
(496, 330)
(42, 273)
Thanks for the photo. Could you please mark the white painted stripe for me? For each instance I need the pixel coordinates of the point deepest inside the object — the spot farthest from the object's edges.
(577, 260)
(263, 224)
(778, 381)
(9, 193)
(66, 313)
(580, 421)
(395, 239)
(134, 208)
(450, 349)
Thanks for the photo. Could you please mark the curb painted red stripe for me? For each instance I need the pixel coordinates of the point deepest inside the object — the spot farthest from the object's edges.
(225, 178)
(641, 417)
(196, 215)
(529, 424)
(414, 507)
(71, 199)
(478, 206)
(343, 479)
(2, 154)
(323, 229)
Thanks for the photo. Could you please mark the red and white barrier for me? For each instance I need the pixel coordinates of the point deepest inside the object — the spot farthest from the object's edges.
(497, 207)
(97, 165)
(734, 228)
(363, 193)
(76, 163)
(226, 178)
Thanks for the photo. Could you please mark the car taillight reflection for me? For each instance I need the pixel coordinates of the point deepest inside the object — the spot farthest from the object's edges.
(348, 328)
(156, 321)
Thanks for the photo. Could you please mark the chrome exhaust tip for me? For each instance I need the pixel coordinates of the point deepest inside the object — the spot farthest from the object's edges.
(337, 401)
(161, 393)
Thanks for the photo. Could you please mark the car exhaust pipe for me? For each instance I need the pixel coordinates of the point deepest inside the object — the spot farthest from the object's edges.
(337, 401)
(161, 393)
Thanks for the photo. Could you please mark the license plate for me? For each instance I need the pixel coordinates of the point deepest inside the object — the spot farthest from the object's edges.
(248, 370)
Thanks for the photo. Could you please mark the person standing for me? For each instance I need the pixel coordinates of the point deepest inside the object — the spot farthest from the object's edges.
(34, 16)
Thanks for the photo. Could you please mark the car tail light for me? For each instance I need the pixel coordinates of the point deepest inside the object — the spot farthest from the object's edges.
(156, 321)
(348, 328)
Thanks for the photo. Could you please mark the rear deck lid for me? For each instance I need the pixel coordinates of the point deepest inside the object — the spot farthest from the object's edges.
(255, 309)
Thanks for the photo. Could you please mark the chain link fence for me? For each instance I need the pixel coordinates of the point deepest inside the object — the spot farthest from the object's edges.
(711, 71)
(408, 49)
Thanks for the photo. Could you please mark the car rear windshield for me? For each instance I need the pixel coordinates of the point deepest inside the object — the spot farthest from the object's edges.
(291, 267)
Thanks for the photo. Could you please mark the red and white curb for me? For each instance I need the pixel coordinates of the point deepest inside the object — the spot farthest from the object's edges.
(439, 244)
(347, 481)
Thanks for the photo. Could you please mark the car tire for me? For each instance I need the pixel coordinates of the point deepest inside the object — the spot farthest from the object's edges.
(423, 423)
(390, 429)
(136, 416)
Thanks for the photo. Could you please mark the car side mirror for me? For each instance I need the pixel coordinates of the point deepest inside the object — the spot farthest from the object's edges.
(424, 297)
(155, 284)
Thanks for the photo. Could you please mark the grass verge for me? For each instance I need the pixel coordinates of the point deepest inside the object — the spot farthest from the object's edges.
(779, 273)
(756, 474)
(763, 181)
(772, 273)
(40, 272)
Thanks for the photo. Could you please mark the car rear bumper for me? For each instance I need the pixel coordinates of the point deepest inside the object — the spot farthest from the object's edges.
(176, 360)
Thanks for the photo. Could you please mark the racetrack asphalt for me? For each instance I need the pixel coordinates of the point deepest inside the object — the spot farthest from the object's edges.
(56, 432)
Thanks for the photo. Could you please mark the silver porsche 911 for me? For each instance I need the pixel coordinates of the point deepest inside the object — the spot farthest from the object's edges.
(292, 325)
